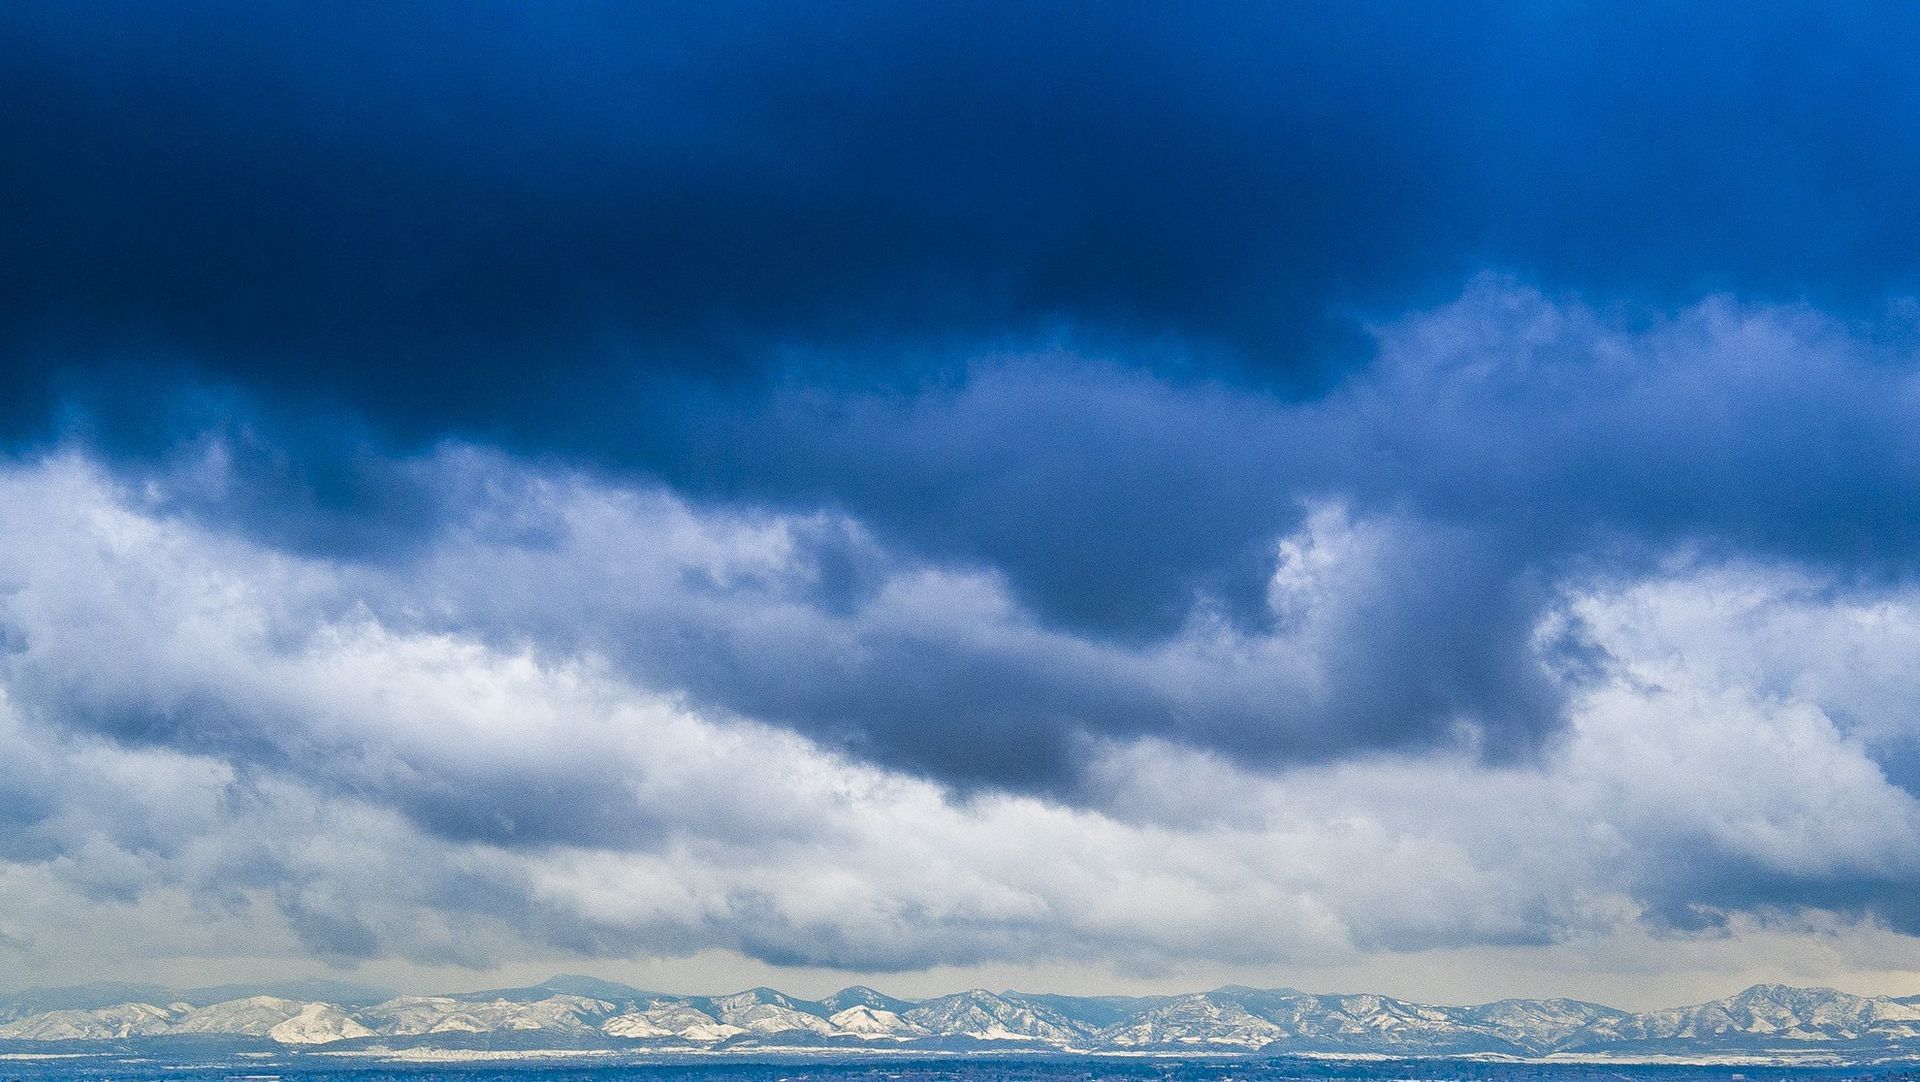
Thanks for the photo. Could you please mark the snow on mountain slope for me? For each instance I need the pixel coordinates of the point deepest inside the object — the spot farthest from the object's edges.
(319, 1023)
(1195, 1020)
(254, 1016)
(772, 1018)
(984, 1016)
(105, 1023)
(406, 1016)
(860, 995)
(415, 1015)
(84, 997)
(564, 1013)
(765, 1011)
(676, 1019)
(759, 1012)
(1374, 1016)
(872, 1023)
(1363, 1022)
(1284, 1019)
(1537, 1025)
(1766, 1015)
(1765, 1019)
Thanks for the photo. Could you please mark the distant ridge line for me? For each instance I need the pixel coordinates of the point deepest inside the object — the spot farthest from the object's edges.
(573, 1012)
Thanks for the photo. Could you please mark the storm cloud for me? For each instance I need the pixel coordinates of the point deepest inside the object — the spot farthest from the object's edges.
(198, 722)
(516, 222)
(756, 479)
(1367, 570)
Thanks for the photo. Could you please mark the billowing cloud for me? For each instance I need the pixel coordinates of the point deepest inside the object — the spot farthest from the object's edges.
(520, 736)
(1058, 551)
(852, 489)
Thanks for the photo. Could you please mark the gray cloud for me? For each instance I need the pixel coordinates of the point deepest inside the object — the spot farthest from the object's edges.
(584, 715)
(1113, 523)
(1497, 445)
(1675, 766)
(777, 483)
(1406, 620)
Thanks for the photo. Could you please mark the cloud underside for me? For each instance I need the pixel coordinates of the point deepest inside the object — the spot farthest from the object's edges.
(1541, 629)
(413, 210)
(891, 486)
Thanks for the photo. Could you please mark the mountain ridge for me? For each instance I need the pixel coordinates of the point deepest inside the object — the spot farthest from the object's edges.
(571, 1012)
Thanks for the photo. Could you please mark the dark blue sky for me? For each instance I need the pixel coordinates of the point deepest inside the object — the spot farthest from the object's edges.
(1260, 382)
(517, 221)
(710, 244)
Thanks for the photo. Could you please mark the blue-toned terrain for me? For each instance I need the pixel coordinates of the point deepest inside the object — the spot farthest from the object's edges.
(584, 1021)
(296, 1068)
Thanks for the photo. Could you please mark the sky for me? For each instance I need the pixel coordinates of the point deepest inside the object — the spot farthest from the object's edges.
(1083, 497)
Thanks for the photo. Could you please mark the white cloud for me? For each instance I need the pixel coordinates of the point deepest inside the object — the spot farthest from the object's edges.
(313, 759)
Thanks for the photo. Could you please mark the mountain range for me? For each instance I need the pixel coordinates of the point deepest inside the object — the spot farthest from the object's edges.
(571, 1012)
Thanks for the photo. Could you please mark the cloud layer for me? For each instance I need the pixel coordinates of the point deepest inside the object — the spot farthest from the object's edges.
(584, 715)
(516, 222)
(888, 487)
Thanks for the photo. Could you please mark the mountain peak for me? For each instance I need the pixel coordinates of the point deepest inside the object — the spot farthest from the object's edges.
(585, 1012)
(574, 984)
(859, 995)
(858, 991)
(1786, 993)
(759, 994)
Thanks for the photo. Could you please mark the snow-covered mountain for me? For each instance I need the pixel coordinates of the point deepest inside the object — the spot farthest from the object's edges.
(860, 995)
(1369, 1023)
(1198, 1020)
(677, 1020)
(576, 1012)
(1536, 1024)
(101, 1023)
(83, 997)
(254, 1016)
(983, 1016)
(319, 1023)
(411, 1016)
(765, 1011)
(1766, 1015)
(874, 1022)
